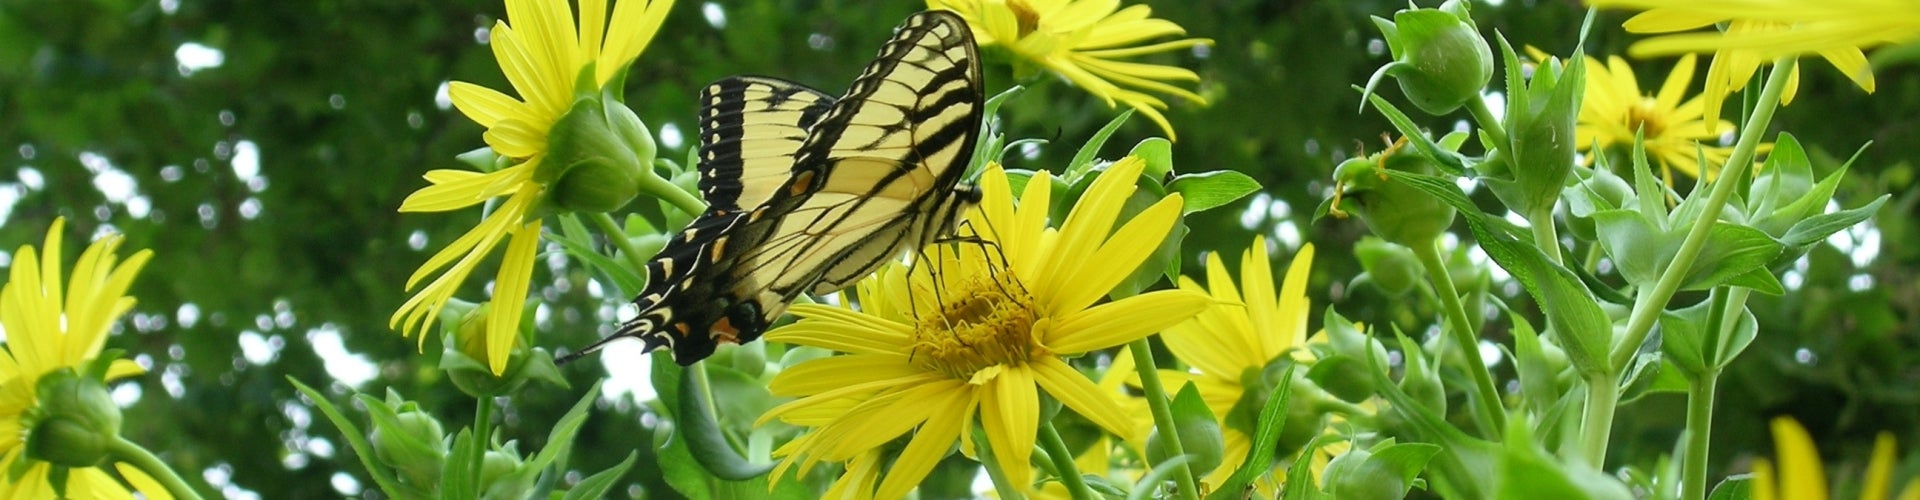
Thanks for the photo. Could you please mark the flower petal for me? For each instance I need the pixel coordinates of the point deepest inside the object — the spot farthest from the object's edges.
(1010, 413)
(929, 445)
(1076, 392)
(1122, 321)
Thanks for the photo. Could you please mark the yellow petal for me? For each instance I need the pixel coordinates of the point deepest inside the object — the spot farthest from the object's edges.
(510, 293)
(1880, 469)
(1076, 392)
(825, 374)
(1800, 469)
(928, 446)
(1117, 259)
(1010, 414)
(1122, 321)
(142, 482)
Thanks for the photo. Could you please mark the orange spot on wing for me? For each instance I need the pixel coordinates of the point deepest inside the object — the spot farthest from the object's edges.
(802, 182)
(724, 331)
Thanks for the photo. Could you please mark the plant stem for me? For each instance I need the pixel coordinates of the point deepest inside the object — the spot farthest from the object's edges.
(1647, 310)
(130, 452)
(1545, 235)
(1158, 403)
(1485, 394)
(1063, 462)
(618, 237)
(651, 183)
(989, 459)
(1603, 394)
(1490, 125)
(1693, 471)
(483, 431)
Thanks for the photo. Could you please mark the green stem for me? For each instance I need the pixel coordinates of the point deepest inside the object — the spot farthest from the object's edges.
(482, 430)
(1545, 235)
(1483, 116)
(1162, 410)
(989, 458)
(1592, 264)
(651, 183)
(1693, 471)
(129, 452)
(1461, 329)
(1603, 394)
(619, 238)
(1063, 462)
(1646, 311)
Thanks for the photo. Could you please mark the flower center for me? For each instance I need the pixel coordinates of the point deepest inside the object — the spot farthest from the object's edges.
(1645, 116)
(984, 322)
(1027, 18)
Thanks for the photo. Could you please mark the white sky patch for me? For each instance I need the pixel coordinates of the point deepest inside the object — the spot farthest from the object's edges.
(670, 137)
(256, 348)
(116, 185)
(716, 17)
(632, 375)
(441, 98)
(246, 160)
(1496, 103)
(10, 195)
(345, 366)
(195, 57)
(32, 179)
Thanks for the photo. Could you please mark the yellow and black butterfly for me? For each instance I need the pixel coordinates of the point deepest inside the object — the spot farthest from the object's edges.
(807, 193)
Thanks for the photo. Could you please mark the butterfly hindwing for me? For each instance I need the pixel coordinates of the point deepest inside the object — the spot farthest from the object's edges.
(808, 193)
(751, 128)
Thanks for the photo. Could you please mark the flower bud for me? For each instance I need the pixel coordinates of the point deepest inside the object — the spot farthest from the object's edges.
(1598, 190)
(596, 155)
(1198, 429)
(498, 478)
(465, 358)
(413, 444)
(1395, 211)
(1540, 148)
(1439, 57)
(1393, 268)
(74, 421)
(1355, 474)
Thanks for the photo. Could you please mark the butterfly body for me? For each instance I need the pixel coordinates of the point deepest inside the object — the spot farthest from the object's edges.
(808, 193)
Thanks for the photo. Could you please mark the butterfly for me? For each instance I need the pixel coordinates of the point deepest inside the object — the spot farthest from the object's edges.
(807, 193)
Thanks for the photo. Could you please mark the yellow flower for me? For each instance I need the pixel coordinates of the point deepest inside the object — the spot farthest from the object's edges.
(1084, 41)
(978, 335)
(1759, 31)
(1242, 331)
(1671, 128)
(47, 330)
(1800, 477)
(543, 56)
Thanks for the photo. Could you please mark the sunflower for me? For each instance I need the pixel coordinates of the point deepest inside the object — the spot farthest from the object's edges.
(47, 331)
(1245, 330)
(1670, 125)
(1084, 41)
(1799, 475)
(543, 55)
(1759, 31)
(932, 352)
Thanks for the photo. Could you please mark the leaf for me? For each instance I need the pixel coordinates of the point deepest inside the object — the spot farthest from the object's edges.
(1158, 152)
(694, 420)
(1406, 459)
(560, 438)
(597, 485)
(1209, 190)
(1273, 418)
(1151, 481)
(574, 239)
(382, 475)
(1737, 487)
(1083, 159)
(461, 480)
(1448, 161)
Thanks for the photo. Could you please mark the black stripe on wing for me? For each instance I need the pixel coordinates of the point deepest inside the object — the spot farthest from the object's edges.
(751, 129)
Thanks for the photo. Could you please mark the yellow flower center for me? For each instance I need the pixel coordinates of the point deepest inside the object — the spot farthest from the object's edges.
(984, 322)
(1645, 116)
(1028, 19)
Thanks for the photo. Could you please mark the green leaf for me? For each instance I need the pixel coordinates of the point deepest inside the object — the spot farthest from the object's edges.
(597, 485)
(1448, 161)
(1259, 459)
(1158, 152)
(1527, 471)
(1083, 159)
(1406, 459)
(577, 242)
(1209, 190)
(560, 438)
(695, 421)
(461, 479)
(1149, 484)
(1737, 487)
(356, 439)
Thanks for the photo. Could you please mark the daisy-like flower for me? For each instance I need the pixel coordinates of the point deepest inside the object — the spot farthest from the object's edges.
(1670, 125)
(1799, 475)
(1085, 42)
(977, 335)
(543, 56)
(48, 331)
(1246, 329)
(1759, 31)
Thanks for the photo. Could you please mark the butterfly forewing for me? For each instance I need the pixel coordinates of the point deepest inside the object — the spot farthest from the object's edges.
(750, 130)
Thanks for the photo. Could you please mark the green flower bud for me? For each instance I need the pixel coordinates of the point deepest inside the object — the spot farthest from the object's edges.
(1421, 379)
(1598, 189)
(74, 421)
(413, 444)
(1540, 142)
(1355, 474)
(1394, 268)
(1345, 372)
(596, 155)
(1307, 405)
(1439, 57)
(1394, 211)
(465, 359)
(1198, 430)
(499, 475)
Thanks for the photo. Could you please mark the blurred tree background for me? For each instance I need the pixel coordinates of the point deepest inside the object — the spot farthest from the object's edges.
(261, 149)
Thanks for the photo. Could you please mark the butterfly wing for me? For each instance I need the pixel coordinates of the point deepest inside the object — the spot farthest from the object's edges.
(751, 129)
(881, 172)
